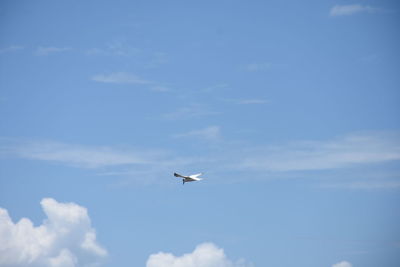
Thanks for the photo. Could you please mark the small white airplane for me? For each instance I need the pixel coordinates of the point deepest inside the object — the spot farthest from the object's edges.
(190, 178)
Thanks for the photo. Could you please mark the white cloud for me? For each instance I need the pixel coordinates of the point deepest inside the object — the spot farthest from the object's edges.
(204, 255)
(65, 238)
(120, 78)
(344, 10)
(319, 155)
(342, 264)
(77, 155)
(64, 259)
(211, 133)
(45, 51)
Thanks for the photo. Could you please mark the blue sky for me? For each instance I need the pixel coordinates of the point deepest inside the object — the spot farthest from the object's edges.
(289, 108)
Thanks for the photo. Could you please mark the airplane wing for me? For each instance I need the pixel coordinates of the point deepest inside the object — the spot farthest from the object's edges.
(178, 175)
(195, 175)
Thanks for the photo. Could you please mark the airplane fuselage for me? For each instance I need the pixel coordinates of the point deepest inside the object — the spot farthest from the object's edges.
(186, 179)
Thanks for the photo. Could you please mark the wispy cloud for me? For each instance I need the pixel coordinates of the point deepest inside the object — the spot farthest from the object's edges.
(120, 49)
(320, 155)
(45, 51)
(342, 264)
(346, 10)
(11, 48)
(131, 79)
(143, 58)
(188, 112)
(347, 154)
(132, 164)
(78, 155)
(120, 78)
(211, 133)
(158, 172)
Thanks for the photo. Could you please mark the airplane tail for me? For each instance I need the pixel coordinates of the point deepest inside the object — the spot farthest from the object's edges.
(177, 175)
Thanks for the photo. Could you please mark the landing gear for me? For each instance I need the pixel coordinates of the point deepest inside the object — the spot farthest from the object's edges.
(183, 181)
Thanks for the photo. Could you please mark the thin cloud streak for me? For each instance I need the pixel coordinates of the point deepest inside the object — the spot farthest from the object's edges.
(353, 150)
(45, 51)
(188, 112)
(130, 79)
(137, 165)
(119, 49)
(346, 10)
(316, 155)
(77, 155)
(211, 133)
(11, 48)
(120, 78)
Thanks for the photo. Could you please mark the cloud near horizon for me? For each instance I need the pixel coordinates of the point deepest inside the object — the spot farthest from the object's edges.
(64, 239)
(204, 255)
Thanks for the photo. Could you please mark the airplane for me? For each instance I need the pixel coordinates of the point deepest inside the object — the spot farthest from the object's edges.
(190, 178)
